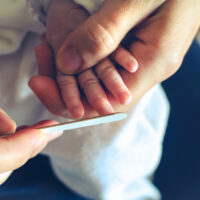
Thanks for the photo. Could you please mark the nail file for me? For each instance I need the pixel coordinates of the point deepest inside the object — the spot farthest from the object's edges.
(84, 123)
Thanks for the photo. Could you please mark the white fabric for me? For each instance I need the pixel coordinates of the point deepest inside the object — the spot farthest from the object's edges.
(111, 161)
(15, 21)
(90, 5)
(35, 6)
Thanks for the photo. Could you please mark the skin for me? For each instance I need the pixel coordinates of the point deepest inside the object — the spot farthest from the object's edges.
(20, 145)
(154, 45)
(63, 17)
(159, 44)
(87, 87)
(102, 32)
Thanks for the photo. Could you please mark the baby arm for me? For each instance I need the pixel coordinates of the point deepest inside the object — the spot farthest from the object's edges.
(86, 90)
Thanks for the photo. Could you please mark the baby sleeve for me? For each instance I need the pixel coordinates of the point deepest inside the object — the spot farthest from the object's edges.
(39, 8)
(90, 5)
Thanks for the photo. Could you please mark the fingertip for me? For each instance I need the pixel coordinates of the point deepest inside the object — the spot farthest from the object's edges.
(132, 66)
(49, 135)
(124, 97)
(7, 125)
(77, 112)
(31, 81)
(104, 107)
(125, 59)
(39, 49)
(35, 84)
(12, 126)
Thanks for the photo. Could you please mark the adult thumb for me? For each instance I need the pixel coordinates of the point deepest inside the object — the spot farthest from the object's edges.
(101, 33)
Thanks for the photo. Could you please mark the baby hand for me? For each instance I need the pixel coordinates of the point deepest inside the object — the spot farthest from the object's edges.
(94, 87)
(97, 85)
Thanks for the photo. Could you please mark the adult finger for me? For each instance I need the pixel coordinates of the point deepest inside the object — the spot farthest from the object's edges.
(101, 33)
(16, 149)
(47, 91)
(7, 125)
(157, 51)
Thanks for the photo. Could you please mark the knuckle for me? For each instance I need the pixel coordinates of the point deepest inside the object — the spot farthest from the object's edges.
(77, 15)
(65, 80)
(106, 73)
(72, 99)
(117, 55)
(89, 83)
(98, 101)
(111, 78)
(170, 61)
(102, 41)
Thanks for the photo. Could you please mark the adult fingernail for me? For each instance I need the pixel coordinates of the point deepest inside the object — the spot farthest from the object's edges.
(40, 143)
(44, 138)
(53, 135)
(69, 61)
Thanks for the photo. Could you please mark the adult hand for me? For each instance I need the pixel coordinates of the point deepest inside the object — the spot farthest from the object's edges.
(63, 18)
(159, 45)
(17, 147)
(101, 34)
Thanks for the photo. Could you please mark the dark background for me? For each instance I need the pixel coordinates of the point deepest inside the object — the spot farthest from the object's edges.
(177, 177)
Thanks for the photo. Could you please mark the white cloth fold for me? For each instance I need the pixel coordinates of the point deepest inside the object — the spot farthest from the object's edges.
(10, 40)
(90, 5)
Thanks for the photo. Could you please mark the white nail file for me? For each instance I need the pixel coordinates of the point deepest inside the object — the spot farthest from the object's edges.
(84, 123)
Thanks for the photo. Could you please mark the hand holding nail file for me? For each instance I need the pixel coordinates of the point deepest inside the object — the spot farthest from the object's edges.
(84, 123)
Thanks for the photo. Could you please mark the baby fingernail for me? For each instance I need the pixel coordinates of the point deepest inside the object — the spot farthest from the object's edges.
(69, 61)
(105, 109)
(133, 66)
(77, 112)
(125, 98)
